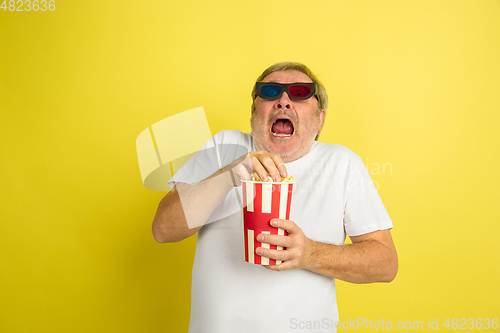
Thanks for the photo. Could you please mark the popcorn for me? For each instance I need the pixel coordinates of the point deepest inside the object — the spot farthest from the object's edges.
(287, 179)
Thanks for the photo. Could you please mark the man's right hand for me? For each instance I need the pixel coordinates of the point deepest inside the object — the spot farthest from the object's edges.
(261, 162)
(265, 163)
(181, 213)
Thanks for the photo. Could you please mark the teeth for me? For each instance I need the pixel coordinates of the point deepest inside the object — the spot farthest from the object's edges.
(281, 134)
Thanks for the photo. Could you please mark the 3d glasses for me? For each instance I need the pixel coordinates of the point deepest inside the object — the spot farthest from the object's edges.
(272, 91)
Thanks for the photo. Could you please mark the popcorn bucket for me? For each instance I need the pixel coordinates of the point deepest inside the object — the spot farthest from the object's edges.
(262, 202)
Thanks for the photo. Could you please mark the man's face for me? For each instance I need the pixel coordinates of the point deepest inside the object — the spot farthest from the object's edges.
(285, 126)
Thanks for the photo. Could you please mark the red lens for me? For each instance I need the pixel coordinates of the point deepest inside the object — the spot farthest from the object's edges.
(299, 91)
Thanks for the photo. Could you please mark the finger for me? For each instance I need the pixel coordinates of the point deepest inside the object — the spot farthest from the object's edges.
(271, 168)
(247, 162)
(258, 168)
(280, 165)
(277, 240)
(287, 225)
(274, 254)
(279, 267)
(239, 172)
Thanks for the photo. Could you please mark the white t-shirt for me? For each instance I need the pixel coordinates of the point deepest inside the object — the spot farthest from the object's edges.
(333, 196)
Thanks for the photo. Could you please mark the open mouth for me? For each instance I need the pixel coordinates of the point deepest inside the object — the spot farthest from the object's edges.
(282, 127)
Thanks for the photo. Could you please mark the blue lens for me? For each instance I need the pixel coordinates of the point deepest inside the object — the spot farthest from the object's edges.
(270, 90)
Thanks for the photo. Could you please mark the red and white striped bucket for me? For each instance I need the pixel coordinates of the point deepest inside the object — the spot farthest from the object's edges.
(262, 202)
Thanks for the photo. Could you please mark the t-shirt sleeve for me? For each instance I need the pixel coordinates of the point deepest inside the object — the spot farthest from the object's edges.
(364, 210)
(203, 164)
(222, 149)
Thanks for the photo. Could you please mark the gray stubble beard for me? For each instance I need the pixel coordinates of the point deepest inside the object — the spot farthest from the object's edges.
(265, 146)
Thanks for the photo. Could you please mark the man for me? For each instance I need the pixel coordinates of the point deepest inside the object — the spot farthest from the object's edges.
(333, 196)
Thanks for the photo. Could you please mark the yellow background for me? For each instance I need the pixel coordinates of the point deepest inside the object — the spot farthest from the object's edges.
(411, 83)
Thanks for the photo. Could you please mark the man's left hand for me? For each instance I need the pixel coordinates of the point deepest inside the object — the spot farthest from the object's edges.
(299, 248)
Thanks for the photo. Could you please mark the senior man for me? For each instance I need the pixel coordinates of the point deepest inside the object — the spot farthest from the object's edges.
(333, 197)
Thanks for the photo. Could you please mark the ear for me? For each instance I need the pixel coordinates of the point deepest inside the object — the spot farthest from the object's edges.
(321, 119)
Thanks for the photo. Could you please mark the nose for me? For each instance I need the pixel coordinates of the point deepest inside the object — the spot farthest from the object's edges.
(283, 102)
